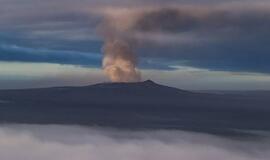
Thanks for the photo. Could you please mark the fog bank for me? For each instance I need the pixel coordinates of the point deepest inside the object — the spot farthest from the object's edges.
(34, 142)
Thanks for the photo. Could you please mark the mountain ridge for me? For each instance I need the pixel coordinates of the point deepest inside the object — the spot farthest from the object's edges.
(139, 105)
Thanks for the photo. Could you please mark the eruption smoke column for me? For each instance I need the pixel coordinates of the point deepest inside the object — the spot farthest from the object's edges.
(119, 61)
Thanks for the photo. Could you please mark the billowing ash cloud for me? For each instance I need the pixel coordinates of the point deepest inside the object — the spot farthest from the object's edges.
(119, 61)
(34, 142)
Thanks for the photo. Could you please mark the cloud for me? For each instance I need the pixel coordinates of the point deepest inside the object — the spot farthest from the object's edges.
(13, 53)
(35, 75)
(16, 75)
(34, 142)
(190, 78)
(22, 54)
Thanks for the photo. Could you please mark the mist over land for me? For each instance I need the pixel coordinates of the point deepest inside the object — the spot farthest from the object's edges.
(54, 142)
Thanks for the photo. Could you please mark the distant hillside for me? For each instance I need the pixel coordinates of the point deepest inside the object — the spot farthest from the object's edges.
(139, 105)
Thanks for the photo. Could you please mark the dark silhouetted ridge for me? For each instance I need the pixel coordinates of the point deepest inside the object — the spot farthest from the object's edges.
(140, 105)
(146, 87)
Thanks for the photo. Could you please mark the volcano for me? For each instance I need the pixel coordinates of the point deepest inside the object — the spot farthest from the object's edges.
(140, 105)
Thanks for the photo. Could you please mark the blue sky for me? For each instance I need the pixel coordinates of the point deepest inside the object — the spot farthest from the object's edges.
(197, 44)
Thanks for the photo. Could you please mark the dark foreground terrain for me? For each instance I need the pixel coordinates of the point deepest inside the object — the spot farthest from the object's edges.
(143, 105)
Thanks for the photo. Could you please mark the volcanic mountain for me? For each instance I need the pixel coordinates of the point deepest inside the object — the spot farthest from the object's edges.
(141, 105)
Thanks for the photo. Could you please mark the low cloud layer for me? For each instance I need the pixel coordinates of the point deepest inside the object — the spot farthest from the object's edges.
(34, 142)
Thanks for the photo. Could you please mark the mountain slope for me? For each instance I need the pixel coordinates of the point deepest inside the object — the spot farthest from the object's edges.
(135, 106)
(99, 93)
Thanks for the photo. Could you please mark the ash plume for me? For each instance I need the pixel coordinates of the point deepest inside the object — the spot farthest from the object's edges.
(119, 61)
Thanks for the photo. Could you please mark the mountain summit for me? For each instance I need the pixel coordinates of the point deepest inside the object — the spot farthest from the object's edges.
(131, 84)
(138, 91)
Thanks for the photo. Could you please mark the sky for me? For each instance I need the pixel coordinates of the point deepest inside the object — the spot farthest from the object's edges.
(189, 44)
